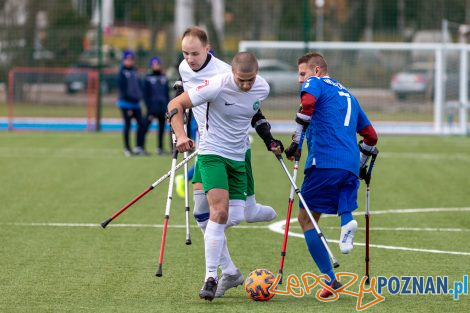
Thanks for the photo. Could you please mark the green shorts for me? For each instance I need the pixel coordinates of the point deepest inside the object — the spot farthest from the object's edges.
(197, 172)
(222, 173)
(250, 182)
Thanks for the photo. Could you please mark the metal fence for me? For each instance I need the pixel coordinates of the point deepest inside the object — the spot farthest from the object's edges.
(74, 35)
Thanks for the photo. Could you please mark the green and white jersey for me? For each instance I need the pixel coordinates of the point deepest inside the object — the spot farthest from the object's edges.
(192, 78)
(228, 115)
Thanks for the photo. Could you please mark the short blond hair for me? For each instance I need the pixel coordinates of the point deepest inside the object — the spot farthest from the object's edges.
(198, 32)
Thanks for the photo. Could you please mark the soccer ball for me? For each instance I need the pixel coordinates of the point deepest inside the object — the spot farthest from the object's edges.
(257, 284)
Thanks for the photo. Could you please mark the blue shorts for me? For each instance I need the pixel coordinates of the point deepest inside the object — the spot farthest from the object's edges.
(330, 191)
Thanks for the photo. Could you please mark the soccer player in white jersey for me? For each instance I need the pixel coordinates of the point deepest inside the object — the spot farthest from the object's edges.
(197, 67)
(232, 101)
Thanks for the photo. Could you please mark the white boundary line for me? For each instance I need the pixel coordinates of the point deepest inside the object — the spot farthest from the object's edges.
(92, 225)
(278, 227)
(428, 229)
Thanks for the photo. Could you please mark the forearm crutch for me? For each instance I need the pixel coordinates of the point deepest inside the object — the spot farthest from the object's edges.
(291, 202)
(159, 272)
(150, 188)
(317, 228)
(367, 180)
(188, 116)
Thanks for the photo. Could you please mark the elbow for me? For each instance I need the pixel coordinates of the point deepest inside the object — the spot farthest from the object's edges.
(370, 135)
(174, 105)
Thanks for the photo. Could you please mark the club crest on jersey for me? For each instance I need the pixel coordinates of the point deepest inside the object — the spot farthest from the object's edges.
(204, 84)
(256, 105)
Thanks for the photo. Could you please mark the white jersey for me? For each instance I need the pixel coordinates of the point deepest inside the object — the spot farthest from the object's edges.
(228, 114)
(193, 78)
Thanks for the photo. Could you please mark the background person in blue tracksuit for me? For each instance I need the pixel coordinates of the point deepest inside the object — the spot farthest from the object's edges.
(130, 94)
(156, 97)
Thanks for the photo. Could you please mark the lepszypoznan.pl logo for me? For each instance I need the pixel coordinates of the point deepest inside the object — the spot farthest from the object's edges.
(403, 285)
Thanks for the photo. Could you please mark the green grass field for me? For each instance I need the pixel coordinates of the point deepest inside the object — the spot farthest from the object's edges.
(57, 187)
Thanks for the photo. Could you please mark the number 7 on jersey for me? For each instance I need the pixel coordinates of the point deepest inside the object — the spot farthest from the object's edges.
(348, 112)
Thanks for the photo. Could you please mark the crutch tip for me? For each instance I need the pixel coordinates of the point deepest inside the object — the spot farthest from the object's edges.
(367, 281)
(159, 272)
(106, 222)
(335, 264)
(188, 241)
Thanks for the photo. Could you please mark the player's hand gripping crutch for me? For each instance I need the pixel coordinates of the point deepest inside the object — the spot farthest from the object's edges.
(366, 174)
(159, 272)
(317, 228)
(186, 187)
(297, 155)
(146, 191)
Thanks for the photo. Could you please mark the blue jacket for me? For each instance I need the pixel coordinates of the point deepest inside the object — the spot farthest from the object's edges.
(129, 86)
(156, 93)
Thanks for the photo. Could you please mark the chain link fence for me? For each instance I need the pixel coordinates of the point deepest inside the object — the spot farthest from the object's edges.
(57, 42)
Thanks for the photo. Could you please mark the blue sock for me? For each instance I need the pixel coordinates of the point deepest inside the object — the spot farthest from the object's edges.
(191, 173)
(319, 254)
(346, 218)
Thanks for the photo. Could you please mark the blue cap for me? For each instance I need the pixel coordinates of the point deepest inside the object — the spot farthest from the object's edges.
(155, 59)
(126, 54)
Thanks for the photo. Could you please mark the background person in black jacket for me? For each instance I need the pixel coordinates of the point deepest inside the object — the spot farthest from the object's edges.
(130, 94)
(156, 97)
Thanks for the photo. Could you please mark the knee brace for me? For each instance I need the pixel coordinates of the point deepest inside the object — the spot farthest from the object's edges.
(201, 208)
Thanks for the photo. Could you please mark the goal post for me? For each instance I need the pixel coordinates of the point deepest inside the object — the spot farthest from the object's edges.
(41, 98)
(369, 68)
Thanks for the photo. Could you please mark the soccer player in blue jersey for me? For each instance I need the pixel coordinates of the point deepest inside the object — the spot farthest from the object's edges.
(334, 162)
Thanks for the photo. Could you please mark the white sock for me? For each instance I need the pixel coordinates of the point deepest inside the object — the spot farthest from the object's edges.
(255, 212)
(235, 217)
(226, 263)
(346, 240)
(202, 226)
(214, 243)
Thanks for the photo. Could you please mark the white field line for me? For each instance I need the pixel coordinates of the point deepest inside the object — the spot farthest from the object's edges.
(429, 229)
(117, 225)
(414, 156)
(426, 156)
(278, 227)
(419, 210)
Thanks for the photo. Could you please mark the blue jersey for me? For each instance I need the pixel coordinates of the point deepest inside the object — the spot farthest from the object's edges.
(331, 135)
